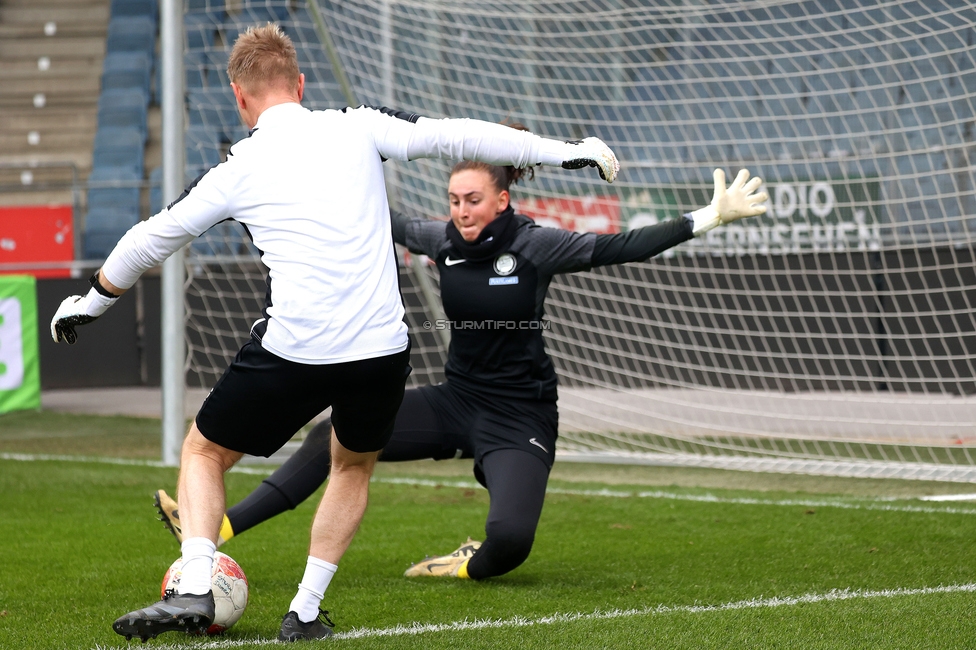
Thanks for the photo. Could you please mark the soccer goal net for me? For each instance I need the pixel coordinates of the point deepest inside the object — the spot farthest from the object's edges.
(835, 334)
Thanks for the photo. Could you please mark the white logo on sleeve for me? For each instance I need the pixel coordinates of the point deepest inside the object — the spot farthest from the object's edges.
(533, 441)
(505, 264)
(449, 262)
(11, 345)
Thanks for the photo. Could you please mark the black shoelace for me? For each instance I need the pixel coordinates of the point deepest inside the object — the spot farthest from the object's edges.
(324, 618)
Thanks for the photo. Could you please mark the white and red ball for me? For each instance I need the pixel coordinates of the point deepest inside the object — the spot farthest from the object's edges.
(229, 589)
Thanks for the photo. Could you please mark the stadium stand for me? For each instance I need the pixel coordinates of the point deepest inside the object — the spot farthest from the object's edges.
(123, 125)
(50, 61)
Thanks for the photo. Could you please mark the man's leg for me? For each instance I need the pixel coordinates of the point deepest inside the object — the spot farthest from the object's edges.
(417, 435)
(296, 480)
(364, 414)
(201, 486)
(343, 504)
(201, 498)
(336, 521)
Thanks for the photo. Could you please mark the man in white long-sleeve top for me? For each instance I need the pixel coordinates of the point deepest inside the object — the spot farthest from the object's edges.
(308, 187)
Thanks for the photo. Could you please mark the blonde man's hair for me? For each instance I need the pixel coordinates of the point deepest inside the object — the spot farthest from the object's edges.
(262, 58)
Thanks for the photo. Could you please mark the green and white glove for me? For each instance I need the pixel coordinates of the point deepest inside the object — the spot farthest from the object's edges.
(728, 205)
(79, 310)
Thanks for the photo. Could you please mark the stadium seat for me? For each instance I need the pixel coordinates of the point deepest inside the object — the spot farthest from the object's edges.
(155, 190)
(215, 9)
(216, 69)
(119, 147)
(215, 108)
(135, 8)
(261, 11)
(195, 70)
(114, 187)
(221, 239)
(123, 108)
(314, 62)
(125, 70)
(200, 31)
(131, 34)
(104, 228)
(322, 96)
(203, 146)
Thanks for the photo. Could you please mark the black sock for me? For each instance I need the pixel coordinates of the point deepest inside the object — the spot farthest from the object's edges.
(292, 483)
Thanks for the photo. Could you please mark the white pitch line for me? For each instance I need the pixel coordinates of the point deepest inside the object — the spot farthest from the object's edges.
(881, 504)
(950, 497)
(466, 625)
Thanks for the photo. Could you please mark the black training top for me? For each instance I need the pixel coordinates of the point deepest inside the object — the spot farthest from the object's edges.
(494, 290)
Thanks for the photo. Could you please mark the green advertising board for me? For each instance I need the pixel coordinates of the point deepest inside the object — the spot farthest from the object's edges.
(20, 372)
(803, 215)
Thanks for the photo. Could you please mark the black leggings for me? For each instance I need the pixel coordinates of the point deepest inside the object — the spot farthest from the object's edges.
(516, 482)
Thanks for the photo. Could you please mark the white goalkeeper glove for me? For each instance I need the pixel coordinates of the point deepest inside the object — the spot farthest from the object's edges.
(728, 205)
(593, 152)
(79, 310)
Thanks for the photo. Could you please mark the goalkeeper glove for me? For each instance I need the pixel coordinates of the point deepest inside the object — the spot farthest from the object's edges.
(593, 152)
(80, 310)
(732, 204)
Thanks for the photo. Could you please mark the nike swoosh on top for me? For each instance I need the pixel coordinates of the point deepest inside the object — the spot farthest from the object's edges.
(533, 441)
(449, 262)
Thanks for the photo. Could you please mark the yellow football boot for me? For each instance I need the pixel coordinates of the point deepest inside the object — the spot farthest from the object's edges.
(454, 565)
(169, 514)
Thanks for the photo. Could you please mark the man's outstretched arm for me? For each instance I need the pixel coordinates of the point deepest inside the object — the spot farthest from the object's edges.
(408, 137)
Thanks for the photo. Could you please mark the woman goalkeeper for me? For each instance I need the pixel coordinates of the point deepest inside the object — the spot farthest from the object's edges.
(498, 405)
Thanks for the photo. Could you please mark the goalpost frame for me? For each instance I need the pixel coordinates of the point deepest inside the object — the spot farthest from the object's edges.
(173, 362)
(829, 337)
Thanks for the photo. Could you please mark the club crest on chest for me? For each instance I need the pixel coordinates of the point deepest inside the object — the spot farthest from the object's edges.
(505, 264)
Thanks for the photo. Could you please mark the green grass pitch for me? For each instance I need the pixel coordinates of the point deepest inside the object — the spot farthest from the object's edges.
(663, 558)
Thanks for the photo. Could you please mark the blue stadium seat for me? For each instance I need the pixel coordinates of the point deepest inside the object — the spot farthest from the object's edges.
(220, 239)
(123, 108)
(156, 190)
(200, 31)
(216, 69)
(236, 135)
(131, 34)
(261, 11)
(215, 108)
(322, 96)
(104, 228)
(195, 70)
(216, 9)
(114, 187)
(118, 136)
(203, 146)
(125, 70)
(119, 147)
(135, 8)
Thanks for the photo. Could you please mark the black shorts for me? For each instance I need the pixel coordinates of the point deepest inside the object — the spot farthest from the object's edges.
(447, 421)
(262, 400)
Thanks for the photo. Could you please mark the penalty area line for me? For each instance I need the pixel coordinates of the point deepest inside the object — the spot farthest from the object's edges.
(467, 625)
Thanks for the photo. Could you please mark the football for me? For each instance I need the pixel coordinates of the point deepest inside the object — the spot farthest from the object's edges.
(229, 589)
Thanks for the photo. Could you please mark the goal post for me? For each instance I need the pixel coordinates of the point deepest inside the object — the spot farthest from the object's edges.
(835, 334)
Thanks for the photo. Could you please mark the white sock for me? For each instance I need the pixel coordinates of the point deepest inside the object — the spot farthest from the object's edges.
(198, 556)
(318, 575)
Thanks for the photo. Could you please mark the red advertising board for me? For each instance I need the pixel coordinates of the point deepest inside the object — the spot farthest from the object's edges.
(37, 233)
(599, 214)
